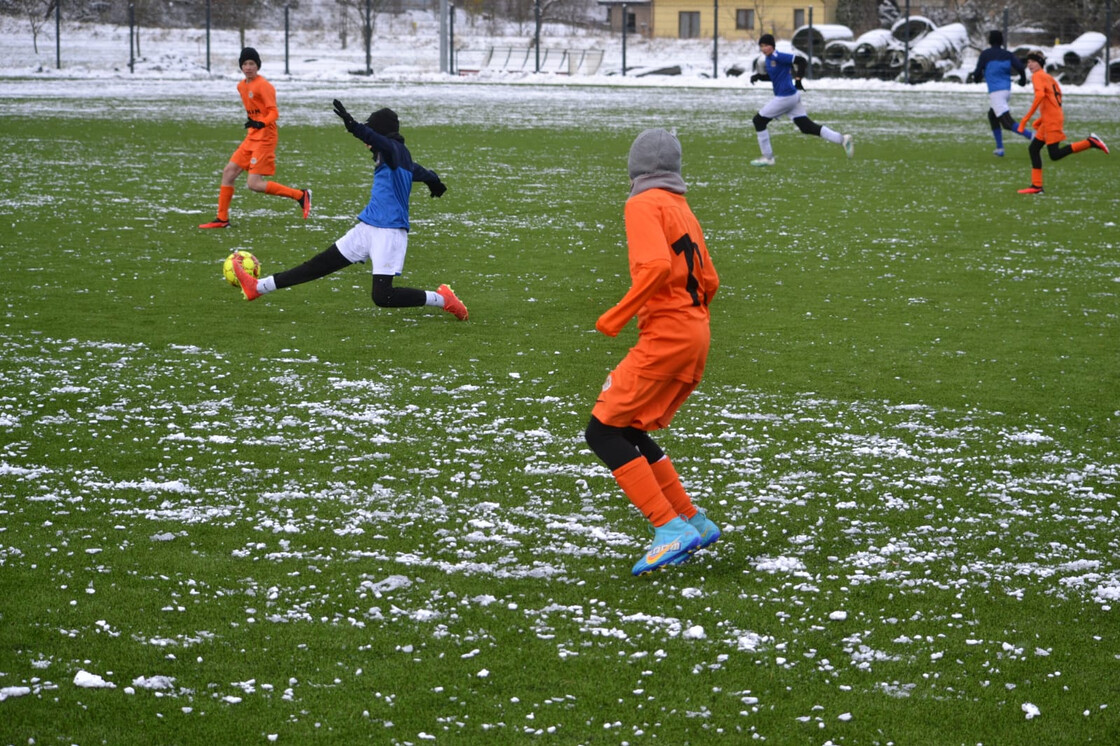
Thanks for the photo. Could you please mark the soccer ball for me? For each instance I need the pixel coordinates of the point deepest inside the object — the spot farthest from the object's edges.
(249, 263)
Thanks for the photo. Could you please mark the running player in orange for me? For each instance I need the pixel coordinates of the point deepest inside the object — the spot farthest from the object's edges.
(672, 283)
(1048, 128)
(257, 153)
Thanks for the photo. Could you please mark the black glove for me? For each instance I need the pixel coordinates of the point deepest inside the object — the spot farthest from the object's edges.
(344, 115)
(755, 78)
(253, 124)
(797, 84)
(1022, 80)
(437, 189)
(971, 78)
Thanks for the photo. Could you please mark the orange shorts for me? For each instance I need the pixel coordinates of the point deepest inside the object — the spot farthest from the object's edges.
(629, 400)
(255, 158)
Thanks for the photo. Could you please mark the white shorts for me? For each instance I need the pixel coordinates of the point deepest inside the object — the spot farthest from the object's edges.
(784, 106)
(384, 248)
(999, 101)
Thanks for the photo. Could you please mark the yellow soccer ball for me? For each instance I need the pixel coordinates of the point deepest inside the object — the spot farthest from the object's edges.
(249, 263)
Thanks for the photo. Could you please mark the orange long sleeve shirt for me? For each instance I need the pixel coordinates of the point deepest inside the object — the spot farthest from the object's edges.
(672, 282)
(259, 98)
(1049, 127)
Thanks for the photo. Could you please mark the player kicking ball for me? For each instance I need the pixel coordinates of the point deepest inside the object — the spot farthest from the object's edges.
(672, 283)
(381, 234)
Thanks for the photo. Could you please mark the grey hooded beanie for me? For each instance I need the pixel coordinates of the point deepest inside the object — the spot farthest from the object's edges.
(655, 162)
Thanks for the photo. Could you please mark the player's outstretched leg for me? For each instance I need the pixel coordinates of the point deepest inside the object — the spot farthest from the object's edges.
(1096, 142)
(672, 544)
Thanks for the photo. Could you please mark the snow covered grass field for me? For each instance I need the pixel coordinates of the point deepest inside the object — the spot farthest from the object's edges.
(305, 519)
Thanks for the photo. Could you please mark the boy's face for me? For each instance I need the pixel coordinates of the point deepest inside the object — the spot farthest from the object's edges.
(766, 49)
(1033, 66)
(249, 67)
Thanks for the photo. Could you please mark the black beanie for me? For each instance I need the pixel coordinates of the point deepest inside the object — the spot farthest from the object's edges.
(766, 39)
(248, 53)
(1038, 57)
(995, 38)
(384, 122)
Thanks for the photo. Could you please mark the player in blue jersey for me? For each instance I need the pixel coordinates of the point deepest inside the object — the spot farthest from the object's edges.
(995, 67)
(381, 234)
(785, 71)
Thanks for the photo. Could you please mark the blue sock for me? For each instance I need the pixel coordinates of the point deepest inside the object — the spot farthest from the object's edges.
(1027, 134)
(998, 135)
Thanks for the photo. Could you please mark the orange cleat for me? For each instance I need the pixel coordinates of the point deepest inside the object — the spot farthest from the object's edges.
(305, 203)
(247, 282)
(452, 304)
(215, 223)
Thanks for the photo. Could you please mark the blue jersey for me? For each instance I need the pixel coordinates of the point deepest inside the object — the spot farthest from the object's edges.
(779, 66)
(392, 180)
(995, 66)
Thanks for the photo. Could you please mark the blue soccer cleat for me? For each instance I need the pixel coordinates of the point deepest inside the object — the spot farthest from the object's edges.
(672, 543)
(709, 532)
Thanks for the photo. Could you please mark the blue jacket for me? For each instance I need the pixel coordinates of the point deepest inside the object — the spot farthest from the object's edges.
(392, 179)
(995, 66)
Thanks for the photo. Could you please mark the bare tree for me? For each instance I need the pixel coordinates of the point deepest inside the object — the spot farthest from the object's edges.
(37, 13)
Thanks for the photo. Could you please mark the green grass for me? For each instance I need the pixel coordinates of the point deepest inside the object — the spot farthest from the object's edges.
(329, 522)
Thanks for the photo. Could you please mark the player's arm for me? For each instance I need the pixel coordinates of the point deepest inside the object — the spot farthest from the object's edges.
(1018, 66)
(383, 145)
(1039, 95)
(651, 265)
(799, 68)
(431, 178)
(268, 105)
(648, 279)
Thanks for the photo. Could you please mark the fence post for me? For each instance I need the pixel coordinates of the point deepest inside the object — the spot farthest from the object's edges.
(369, 37)
(715, 39)
(58, 34)
(1107, 41)
(286, 32)
(809, 72)
(207, 35)
(131, 35)
(451, 38)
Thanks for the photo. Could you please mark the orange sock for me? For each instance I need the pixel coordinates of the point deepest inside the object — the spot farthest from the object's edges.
(1080, 145)
(284, 191)
(225, 196)
(1036, 177)
(672, 488)
(637, 481)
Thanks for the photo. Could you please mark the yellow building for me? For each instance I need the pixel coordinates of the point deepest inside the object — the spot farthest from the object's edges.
(738, 19)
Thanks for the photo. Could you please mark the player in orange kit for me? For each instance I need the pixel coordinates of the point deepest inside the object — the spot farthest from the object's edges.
(672, 283)
(1048, 128)
(257, 153)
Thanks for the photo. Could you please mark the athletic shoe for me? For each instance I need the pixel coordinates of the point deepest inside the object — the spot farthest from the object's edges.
(998, 152)
(452, 304)
(215, 223)
(247, 281)
(849, 145)
(1096, 142)
(672, 543)
(762, 162)
(305, 203)
(1032, 189)
(709, 532)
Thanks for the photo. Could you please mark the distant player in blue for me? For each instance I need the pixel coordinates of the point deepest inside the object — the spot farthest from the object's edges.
(785, 71)
(381, 233)
(995, 67)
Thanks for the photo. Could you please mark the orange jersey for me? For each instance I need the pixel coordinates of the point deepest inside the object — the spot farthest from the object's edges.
(1048, 102)
(672, 283)
(259, 98)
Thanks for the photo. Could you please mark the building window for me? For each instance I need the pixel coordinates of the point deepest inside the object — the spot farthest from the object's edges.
(690, 24)
(631, 22)
(744, 19)
(798, 18)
